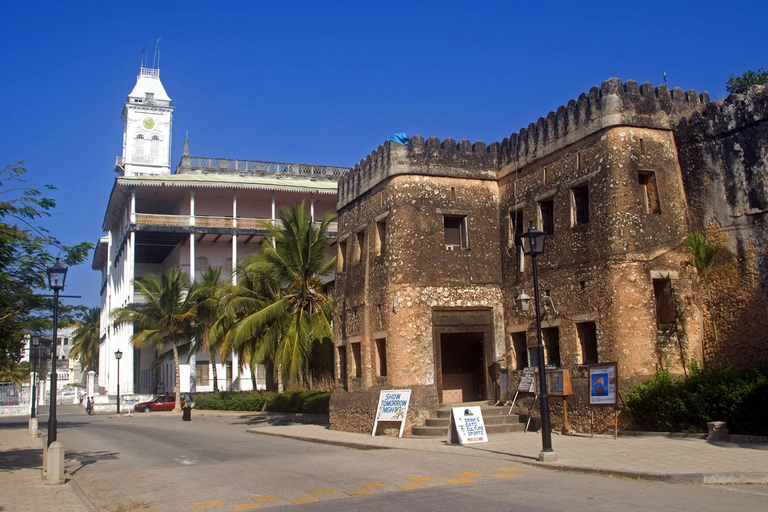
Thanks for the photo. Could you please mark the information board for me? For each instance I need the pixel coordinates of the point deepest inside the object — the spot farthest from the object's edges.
(468, 424)
(603, 382)
(526, 384)
(393, 406)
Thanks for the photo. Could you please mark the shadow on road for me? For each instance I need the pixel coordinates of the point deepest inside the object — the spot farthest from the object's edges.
(26, 458)
(86, 459)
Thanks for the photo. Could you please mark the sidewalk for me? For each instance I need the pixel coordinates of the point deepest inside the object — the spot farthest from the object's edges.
(667, 459)
(21, 488)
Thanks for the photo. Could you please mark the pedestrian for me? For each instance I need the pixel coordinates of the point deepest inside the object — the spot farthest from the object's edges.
(89, 405)
(186, 408)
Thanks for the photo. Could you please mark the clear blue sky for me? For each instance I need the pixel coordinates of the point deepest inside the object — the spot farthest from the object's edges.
(327, 82)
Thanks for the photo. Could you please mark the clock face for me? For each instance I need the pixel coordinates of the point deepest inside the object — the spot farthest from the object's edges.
(148, 123)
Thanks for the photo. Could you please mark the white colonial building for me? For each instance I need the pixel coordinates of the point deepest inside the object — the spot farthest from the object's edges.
(209, 212)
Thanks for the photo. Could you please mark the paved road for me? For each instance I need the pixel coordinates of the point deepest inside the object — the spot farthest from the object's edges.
(157, 462)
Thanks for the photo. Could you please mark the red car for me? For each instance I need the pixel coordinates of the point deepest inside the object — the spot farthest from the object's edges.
(159, 403)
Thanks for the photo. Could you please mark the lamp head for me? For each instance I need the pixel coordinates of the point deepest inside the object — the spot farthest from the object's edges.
(523, 301)
(57, 274)
(118, 354)
(532, 241)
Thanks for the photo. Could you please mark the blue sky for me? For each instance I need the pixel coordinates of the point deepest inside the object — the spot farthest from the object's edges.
(327, 82)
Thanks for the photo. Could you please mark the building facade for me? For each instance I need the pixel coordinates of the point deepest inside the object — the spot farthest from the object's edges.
(430, 266)
(211, 212)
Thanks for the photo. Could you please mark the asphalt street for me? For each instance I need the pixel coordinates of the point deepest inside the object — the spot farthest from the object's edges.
(157, 462)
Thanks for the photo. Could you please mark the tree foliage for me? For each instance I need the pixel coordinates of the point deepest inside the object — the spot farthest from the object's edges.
(26, 250)
(741, 84)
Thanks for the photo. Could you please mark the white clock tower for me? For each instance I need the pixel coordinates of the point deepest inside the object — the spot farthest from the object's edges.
(147, 135)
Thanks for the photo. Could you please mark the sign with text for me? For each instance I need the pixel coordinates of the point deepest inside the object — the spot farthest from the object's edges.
(603, 384)
(526, 384)
(393, 406)
(468, 424)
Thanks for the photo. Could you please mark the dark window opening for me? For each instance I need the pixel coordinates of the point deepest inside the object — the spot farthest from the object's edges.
(381, 360)
(342, 351)
(342, 253)
(546, 216)
(516, 226)
(381, 237)
(358, 356)
(587, 333)
(519, 346)
(647, 180)
(665, 302)
(455, 232)
(201, 373)
(360, 235)
(580, 197)
(551, 339)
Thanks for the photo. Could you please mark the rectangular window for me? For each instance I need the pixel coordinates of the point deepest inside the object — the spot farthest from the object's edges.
(341, 255)
(551, 339)
(381, 359)
(201, 373)
(519, 346)
(342, 351)
(547, 216)
(358, 356)
(580, 204)
(359, 246)
(455, 227)
(665, 302)
(647, 181)
(381, 237)
(587, 333)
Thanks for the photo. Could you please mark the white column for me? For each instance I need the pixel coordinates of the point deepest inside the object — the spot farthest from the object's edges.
(235, 384)
(192, 207)
(273, 206)
(312, 206)
(191, 257)
(133, 206)
(234, 238)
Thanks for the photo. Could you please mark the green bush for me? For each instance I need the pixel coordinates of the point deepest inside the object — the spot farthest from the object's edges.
(294, 401)
(738, 397)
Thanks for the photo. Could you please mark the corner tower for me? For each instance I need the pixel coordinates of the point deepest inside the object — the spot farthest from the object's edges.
(147, 115)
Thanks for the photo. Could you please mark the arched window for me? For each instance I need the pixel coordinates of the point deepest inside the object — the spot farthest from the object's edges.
(138, 149)
(154, 148)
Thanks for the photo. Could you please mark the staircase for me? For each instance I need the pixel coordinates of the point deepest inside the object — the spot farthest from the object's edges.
(495, 418)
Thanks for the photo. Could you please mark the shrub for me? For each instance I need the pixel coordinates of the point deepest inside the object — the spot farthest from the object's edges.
(737, 397)
(294, 401)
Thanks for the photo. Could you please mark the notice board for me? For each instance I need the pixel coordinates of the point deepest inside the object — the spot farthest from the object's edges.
(393, 406)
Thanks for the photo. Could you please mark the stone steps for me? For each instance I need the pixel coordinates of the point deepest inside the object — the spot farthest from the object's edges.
(496, 419)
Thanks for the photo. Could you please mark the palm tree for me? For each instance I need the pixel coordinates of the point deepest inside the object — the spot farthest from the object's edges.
(206, 299)
(85, 339)
(290, 316)
(165, 318)
(709, 259)
(14, 372)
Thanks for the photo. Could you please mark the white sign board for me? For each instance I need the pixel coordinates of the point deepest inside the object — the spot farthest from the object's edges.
(393, 406)
(468, 422)
(603, 381)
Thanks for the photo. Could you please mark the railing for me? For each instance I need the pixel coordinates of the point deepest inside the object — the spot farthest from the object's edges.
(197, 163)
(153, 219)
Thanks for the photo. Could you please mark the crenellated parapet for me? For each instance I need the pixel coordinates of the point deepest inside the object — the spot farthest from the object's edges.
(612, 104)
(429, 158)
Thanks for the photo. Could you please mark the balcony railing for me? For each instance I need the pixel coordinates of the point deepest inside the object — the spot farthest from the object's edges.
(209, 221)
(203, 164)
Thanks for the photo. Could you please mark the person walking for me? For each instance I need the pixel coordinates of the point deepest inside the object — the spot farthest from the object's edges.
(186, 408)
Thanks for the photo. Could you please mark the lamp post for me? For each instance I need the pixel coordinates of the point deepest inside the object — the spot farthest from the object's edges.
(35, 353)
(533, 244)
(57, 274)
(118, 356)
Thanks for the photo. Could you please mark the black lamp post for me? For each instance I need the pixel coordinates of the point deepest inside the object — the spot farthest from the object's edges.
(35, 353)
(57, 274)
(533, 244)
(118, 356)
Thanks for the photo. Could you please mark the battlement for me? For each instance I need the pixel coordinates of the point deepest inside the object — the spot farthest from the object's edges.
(429, 158)
(612, 104)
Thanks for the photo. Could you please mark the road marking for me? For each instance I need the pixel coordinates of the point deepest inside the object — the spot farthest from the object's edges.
(202, 505)
(461, 481)
(359, 492)
(412, 486)
(504, 475)
(320, 492)
(303, 499)
(423, 479)
(246, 506)
(267, 498)
(374, 484)
(469, 474)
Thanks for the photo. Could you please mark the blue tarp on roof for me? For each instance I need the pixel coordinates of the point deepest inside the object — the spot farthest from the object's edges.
(401, 138)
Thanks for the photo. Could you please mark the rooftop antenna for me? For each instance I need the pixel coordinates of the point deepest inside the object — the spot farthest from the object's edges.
(156, 58)
(143, 47)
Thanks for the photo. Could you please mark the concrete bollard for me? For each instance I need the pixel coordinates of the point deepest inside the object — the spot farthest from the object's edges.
(33, 427)
(718, 431)
(45, 457)
(55, 470)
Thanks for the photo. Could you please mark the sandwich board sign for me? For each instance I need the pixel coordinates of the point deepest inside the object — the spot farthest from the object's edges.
(393, 406)
(468, 424)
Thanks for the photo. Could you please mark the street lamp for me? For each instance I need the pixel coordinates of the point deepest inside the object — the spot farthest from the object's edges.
(533, 244)
(118, 356)
(57, 274)
(35, 353)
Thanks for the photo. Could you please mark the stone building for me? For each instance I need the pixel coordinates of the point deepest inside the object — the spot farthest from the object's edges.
(429, 269)
(211, 212)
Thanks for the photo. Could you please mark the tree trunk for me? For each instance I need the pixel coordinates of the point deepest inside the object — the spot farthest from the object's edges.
(270, 376)
(215, 372)
(177, 379)
(192, 370)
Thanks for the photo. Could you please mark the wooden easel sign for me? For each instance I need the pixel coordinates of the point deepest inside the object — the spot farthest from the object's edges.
(393, 406)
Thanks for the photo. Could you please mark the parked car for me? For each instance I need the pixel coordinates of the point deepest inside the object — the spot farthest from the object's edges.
(159, 403)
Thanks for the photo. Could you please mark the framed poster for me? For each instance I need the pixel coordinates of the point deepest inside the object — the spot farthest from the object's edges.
(469, 425)
(393, 406)
(603, 384)
(526, 384)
